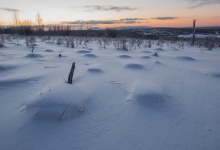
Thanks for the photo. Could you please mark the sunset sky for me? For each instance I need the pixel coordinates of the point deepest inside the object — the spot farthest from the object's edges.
(114, 13)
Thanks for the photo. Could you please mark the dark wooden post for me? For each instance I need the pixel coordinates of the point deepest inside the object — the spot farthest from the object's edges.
(70, 78)
(194, 30)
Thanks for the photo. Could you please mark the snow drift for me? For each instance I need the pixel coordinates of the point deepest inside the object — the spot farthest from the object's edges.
(146, 92)
(54, 102)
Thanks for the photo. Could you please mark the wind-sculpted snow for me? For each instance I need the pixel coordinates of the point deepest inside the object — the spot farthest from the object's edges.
(90, 55)
(210, 73)
(146, 57)
(58, 102)
(34, 56)
(134, 66)
(7, 66)
(159, 49)
(49, 50)
(119, 100)
(158, 63)
(145, 92)
(95, 70)
(186, 58)
(175, 49)
(146, 51)
(124, 56)
(51, 67)
(83, 51)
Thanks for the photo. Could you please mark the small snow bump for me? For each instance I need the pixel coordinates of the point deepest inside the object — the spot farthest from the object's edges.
(134, 66)
(83, 51)
(90, 55)
(187, 58)
(124, 56)
(146, 51)
(146, 57)
(34, 56)
(49, 50)
(95, 70)
(50, 67)
(159, 49)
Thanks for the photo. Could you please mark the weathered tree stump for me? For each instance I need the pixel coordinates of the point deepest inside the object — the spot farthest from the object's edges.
(70, 78)
(194, 30)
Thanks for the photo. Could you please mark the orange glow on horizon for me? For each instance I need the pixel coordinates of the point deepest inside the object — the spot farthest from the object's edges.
(186, 22)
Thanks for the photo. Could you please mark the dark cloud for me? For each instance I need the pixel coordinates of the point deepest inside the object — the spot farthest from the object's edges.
(132, 19)
(80, 22)
(9, 9)
(165, 18)
(95, 22)
(200, 3)
(105, 8)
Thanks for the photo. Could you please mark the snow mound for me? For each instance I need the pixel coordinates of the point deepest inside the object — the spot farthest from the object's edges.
(34, 56)
(215, 74)
(7, 66)
(175, 49)
(121, 49)
(146, 52)
(146, 57)
(209, 73)
(95, 70)
(58, 102)
(49, 42)
(49, 50)
(51, 67)
(146, 92)
(134, 66)
(185, 58)
(90, 55)
(124, 56)
(83, 51)
(19, 79)
(158, 63)
(159, 49)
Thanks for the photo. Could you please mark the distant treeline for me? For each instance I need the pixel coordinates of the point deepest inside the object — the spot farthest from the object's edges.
(147, 33)
(69, 31)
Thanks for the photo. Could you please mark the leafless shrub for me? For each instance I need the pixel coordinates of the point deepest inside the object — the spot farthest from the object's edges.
(2, 41)
(116, 43)
(106, 41)
(181, 44)
(160, 42)
(132, 43)
(123, 43)
(72, 42)
(31, 41)
(120, 43)
(99, 42)
(59, 40)
(86, 41)
(207, 42)
(139, 43)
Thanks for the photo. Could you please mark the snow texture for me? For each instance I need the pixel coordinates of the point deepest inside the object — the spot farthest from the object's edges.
(119, 100)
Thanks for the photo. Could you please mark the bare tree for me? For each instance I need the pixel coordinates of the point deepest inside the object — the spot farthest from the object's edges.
(25, 27)
(40, 26)
(39, 19)
(15, 18)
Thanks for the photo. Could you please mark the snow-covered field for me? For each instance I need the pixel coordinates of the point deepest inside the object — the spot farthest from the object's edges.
(119, 100)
